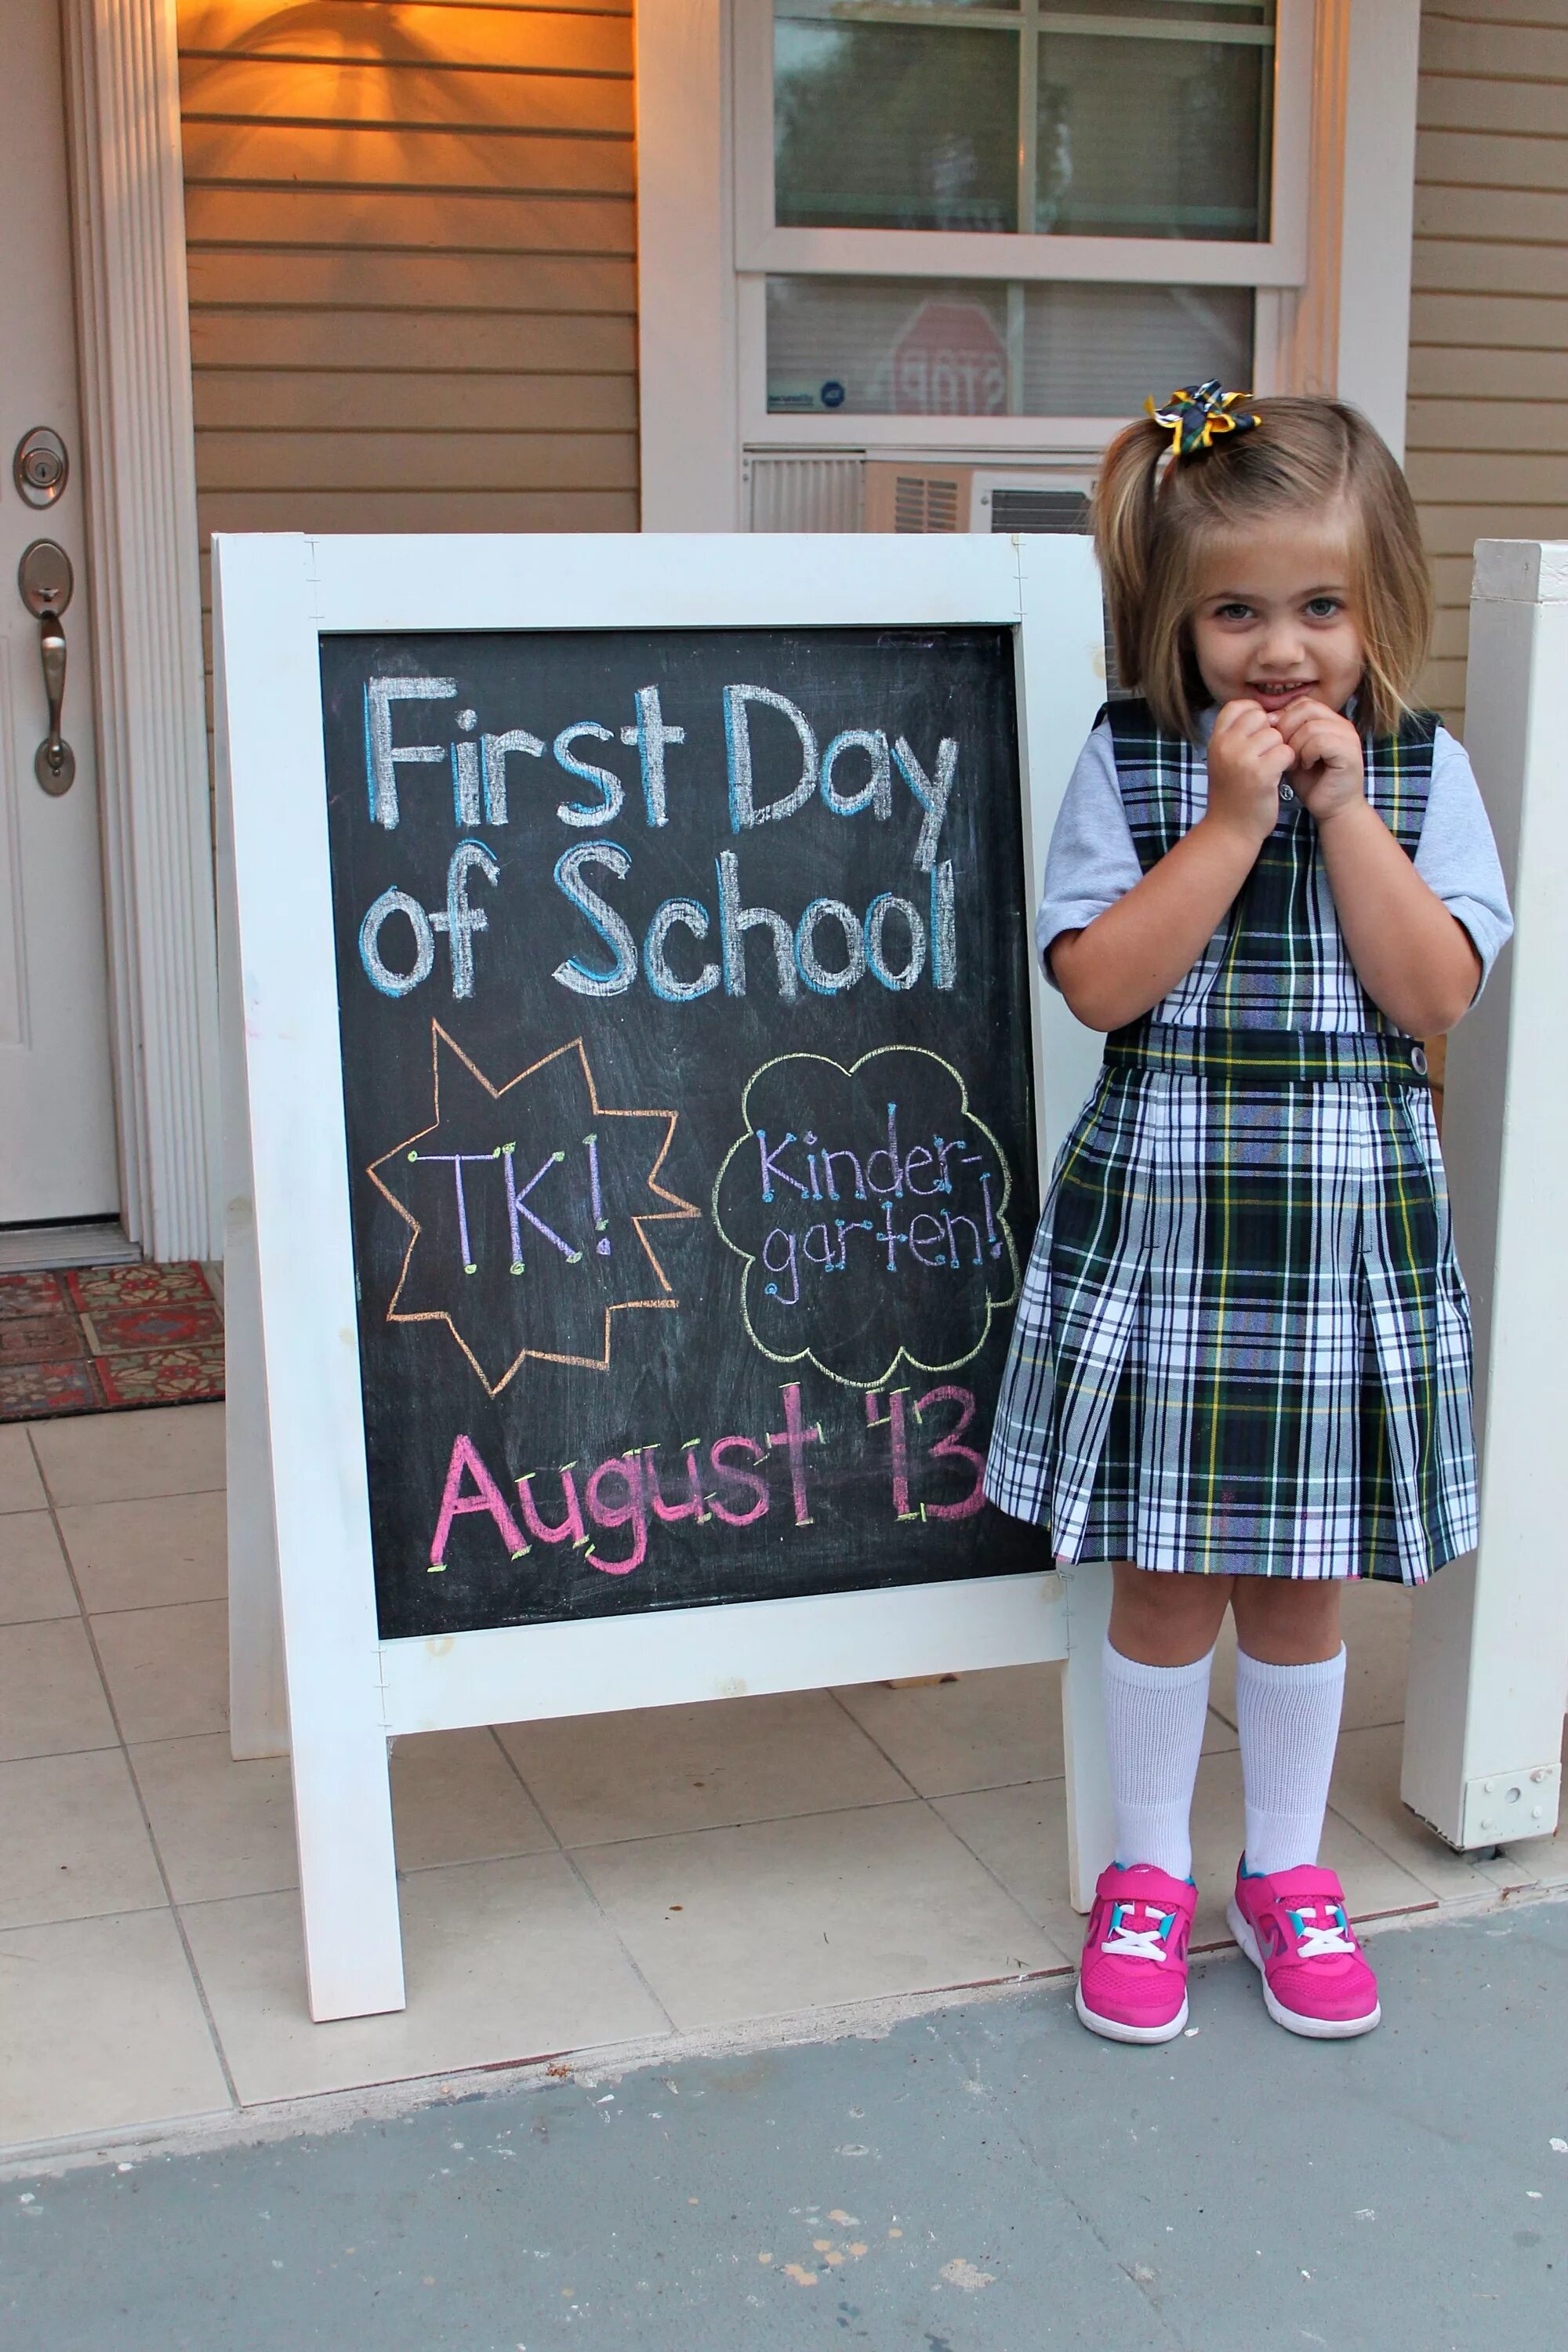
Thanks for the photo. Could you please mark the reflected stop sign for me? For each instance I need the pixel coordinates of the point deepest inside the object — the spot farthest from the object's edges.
(949, 361)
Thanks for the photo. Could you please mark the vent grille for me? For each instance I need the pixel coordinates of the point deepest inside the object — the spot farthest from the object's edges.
(807, 493)
(924, 502)
(1039, 511)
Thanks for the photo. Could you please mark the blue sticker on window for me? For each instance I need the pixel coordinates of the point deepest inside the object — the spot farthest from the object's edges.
(833, 394)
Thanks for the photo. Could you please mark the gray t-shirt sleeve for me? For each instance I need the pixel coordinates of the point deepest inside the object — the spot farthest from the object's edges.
(1091, 861)
(1456, 856)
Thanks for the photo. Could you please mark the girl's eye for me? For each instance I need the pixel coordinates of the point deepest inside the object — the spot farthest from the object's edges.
(1233, 612)
(1324, 608)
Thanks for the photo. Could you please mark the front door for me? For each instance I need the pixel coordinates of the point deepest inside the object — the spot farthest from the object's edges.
(57, 1104)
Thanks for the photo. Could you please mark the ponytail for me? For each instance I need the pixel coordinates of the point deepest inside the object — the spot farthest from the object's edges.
(1124, 517)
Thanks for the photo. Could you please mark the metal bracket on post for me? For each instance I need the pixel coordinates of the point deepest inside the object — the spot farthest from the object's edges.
(1507, 1806)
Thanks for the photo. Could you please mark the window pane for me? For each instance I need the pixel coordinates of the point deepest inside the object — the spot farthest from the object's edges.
(1099, 350)
(1151, 118)
(887, 347)
(1165, 137)
(880, 126)
(905, 347)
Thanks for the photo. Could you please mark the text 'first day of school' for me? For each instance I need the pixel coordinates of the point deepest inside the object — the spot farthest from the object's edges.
(898, 940)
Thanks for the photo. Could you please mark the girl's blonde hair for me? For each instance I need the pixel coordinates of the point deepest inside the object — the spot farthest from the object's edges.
(1155, 515)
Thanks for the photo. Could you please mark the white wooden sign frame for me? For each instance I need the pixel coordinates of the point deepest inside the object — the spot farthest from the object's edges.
(300, 1514)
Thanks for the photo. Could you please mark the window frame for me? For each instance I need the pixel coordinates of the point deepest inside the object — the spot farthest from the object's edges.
(762, 246)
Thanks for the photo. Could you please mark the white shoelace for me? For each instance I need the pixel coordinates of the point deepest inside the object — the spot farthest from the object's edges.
(1125, 1943)
(1319, 1942)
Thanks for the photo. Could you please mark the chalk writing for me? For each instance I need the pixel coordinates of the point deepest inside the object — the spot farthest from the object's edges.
(900, 938)
(682, 979)
(884, 1173)
(726, 1481)
(512, 1232)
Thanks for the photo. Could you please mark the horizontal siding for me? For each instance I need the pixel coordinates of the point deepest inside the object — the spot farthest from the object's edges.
(1486, 433)
(536, 35)
(411, 241)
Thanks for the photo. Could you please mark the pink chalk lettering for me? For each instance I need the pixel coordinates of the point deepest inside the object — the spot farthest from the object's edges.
(631, 1513)
(690, 1506)
(747, 1480)
(488, 1497)
(569, 1528)
(795, 1437)
(892, 1421)
(948, 1447)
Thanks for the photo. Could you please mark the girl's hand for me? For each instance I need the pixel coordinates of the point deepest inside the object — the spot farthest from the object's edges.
(1248, 756)
(1328, 773)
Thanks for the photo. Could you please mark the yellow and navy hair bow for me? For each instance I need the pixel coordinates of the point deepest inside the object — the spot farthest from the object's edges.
(1193, 418)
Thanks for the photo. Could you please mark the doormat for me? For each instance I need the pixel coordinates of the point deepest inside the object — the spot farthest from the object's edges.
(105, 1338)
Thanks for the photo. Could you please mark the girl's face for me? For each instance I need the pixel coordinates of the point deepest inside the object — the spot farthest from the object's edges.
(1272, 617)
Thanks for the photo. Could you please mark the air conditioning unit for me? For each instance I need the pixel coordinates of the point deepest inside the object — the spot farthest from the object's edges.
(804, 493)
(926, 496)
(1044, 502)
(848, 493)
(917, 498)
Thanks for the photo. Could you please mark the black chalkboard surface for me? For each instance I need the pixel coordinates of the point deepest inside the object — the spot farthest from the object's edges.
(683, 985)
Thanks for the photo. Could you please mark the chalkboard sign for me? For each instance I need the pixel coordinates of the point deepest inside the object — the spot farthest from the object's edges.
(637, 1081)
(683, 981)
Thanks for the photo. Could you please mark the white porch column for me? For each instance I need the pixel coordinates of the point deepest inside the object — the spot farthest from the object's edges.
(1488, 1667)
(133, 340)
(686, 341)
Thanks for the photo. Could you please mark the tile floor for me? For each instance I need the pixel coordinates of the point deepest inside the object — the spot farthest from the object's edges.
(566, 1885)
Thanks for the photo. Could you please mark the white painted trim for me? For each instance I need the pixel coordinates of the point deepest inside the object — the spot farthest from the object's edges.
(686, 341)
(258, 1689)
(133, 344)
(1488, 1661)
(537, 1673)
(274, 595)
(1378, 212)
(1036, 260)
(285, 1010)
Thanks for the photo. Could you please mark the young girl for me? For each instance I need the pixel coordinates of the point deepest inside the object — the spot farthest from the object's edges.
(1241, 1365)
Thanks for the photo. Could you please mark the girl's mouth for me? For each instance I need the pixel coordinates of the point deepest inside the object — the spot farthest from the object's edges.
(1275, 696)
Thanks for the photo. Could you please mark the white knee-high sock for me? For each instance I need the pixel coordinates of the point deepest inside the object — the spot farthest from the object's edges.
(1288, 1718)
(1154, 1729)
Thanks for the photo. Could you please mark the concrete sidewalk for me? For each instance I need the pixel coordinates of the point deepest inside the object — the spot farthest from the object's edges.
(982, 2178)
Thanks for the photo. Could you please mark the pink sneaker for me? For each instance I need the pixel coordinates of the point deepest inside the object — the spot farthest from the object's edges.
(1132, 1985)
(1291, 1925)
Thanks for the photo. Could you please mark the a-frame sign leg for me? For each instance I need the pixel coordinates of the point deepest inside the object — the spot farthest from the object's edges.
(299, 1461)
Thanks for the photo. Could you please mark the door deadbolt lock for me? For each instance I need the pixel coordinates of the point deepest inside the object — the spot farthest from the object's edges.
(45, 581)
(41, 466)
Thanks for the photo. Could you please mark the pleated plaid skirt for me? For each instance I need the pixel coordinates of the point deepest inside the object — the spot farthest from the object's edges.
(1243, 1343)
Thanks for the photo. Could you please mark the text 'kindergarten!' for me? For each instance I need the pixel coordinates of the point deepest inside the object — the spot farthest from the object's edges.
(899, 939)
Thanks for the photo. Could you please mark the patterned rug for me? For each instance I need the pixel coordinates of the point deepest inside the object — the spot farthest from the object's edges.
(107, 1338)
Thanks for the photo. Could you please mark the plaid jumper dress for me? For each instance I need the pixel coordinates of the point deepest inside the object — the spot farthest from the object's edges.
(1243, 1344)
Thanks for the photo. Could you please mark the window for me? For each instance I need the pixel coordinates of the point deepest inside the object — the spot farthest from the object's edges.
(961, 255)
(975, 214)
(1110, 118)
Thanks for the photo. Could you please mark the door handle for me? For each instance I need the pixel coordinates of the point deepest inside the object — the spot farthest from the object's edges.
(45, 581)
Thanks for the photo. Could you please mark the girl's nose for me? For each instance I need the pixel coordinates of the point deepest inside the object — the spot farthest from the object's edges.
(1281, 647)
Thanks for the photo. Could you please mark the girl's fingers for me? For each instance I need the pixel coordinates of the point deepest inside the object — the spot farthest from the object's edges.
(1299, 714)
(1235, 717)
